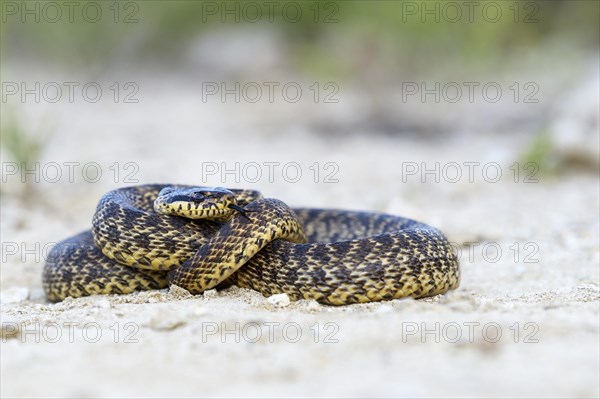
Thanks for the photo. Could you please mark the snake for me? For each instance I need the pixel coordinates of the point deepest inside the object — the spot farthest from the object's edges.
(153, 236)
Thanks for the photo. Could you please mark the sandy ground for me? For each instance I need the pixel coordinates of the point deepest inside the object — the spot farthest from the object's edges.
(524, 322)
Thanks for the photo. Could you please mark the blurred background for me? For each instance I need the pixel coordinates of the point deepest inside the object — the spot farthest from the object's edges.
(394, 69)
(291, 97)
(344, 104)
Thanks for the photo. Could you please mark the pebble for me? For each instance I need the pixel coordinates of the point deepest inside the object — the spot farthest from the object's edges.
(313, 306)
(279, 300)
(176, 292)
(155, 296)
(210, 294)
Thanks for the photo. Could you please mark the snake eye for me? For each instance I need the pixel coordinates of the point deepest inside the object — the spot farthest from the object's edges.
(198, 196)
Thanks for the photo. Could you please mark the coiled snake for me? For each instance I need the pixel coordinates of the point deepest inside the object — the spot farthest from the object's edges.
(150, 236)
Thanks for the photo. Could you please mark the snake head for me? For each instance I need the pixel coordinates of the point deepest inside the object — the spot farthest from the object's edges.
(196, 202)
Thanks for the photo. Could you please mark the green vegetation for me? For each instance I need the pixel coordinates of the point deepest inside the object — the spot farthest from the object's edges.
(541, 153)
(146, 30)
(22, 148)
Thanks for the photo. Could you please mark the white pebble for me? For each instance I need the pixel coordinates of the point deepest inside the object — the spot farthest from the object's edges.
(313, 306)
(209, 294)
(279, 300)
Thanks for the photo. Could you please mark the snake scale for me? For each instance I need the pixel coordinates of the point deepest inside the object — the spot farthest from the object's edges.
(335, 257)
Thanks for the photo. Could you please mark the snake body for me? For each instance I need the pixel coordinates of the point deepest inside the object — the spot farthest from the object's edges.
(336, 257)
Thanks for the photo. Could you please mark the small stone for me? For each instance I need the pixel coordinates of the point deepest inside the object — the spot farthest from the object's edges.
(313, 306)
(210, 294)
(154, 296)
(14, 295)
(279, 300)
(176, 292)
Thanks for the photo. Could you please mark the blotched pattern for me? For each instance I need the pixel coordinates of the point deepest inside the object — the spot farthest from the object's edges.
(348, 257)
